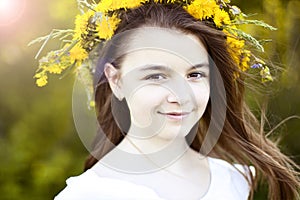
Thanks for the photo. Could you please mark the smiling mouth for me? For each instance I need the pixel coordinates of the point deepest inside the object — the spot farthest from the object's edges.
(175, 115)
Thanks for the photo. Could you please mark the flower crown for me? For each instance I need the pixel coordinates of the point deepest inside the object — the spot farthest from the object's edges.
(98, 21)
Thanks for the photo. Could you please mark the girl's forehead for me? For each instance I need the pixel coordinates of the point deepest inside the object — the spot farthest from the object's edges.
(164, 38)
(152, 45)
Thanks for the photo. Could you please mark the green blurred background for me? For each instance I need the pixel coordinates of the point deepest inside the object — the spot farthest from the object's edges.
(39, 144)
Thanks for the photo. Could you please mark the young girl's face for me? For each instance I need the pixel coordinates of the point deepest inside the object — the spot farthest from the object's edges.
(164, 78)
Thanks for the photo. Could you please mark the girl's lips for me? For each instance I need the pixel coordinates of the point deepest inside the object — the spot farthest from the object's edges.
(176, 115)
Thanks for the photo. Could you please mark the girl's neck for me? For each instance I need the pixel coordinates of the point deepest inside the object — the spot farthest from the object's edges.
(152, 145)
(153, 154)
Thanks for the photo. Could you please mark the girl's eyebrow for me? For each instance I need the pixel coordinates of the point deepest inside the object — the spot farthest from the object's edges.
(152, 67)
(158, 67)
(199, 66)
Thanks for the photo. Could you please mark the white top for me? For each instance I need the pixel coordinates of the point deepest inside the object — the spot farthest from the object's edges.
(226, 184)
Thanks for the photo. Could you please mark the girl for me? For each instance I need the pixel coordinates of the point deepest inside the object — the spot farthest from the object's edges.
(169, 96)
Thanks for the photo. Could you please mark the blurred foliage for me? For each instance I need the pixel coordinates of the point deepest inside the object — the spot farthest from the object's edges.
(39, 144)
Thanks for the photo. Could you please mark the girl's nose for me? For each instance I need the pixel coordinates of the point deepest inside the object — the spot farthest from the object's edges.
(179, 99)
(179, 92)
(171, 98)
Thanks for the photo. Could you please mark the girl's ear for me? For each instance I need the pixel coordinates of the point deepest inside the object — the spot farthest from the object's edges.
(113, 76)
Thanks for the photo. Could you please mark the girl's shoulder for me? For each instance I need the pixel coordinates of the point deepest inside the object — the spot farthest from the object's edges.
(226, 183)
(235, 168)
(229, 181)
(89, 185)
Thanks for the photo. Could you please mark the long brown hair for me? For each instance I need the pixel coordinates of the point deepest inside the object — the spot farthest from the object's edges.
(241, 139)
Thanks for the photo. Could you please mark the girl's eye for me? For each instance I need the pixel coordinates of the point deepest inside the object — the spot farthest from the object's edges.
(155, 77)
(196, 75)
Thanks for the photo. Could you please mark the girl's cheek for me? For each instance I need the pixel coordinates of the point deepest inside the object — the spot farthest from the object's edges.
(141, 104)
(201, 93)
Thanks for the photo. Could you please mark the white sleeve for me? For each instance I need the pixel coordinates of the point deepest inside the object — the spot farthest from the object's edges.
(90, 186)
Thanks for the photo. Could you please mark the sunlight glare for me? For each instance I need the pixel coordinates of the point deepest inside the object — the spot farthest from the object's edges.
(11, 11)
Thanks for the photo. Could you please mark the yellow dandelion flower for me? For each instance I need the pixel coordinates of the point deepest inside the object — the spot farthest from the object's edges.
(202, 9)
(221, 17)
(161, 1)
(244, 63)
(38, 75)
(236, 49)
(110, 5)
(106, 5)
(235, 43)
(235, 57)
(54, 69)
(107, 27)
(81, 23)
(78, 54)
(42, 81)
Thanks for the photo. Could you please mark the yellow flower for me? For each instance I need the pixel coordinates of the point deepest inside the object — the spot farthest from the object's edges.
(106, 5)
(78, 54)
(54, 69)
(202, 9)
(235, 43)
(240, 56)
(81, 23)
(235, 57)
(42, 81)
(161, 1)
(221, 17)
(244, 62)
(107, 27)
(236, 49)
(110, 5)
(38, 75)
